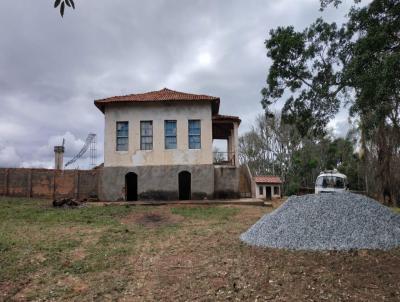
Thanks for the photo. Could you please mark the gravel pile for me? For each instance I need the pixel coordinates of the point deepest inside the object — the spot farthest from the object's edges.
(338, 221)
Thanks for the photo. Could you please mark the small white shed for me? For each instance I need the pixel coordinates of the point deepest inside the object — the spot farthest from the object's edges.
(267, 186)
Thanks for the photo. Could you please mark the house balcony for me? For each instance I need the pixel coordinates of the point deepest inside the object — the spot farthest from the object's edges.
(225, 127)
(224, 158)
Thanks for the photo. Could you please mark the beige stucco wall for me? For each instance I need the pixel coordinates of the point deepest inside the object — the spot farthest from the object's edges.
(158, 113)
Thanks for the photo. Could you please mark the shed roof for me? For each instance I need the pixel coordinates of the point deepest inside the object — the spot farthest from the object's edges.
(163, 95)
(267, 179)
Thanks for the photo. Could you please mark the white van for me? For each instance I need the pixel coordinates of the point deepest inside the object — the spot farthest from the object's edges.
(331, 181)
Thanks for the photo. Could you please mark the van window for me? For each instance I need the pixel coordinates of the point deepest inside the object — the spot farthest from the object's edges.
(330, 182)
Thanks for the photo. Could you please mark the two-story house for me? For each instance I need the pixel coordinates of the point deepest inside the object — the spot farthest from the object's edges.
(159, 146)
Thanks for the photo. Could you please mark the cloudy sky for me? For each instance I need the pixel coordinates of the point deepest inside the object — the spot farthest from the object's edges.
(51, 69)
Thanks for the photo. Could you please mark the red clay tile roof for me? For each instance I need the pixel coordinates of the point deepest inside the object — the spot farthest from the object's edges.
(267, 179)
(158, 96)
(231, 118)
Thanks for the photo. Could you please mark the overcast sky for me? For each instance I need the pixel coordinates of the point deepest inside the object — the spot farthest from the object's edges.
(51, 69)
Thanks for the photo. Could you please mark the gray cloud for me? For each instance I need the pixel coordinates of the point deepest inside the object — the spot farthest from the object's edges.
(9, 157)
(51, 69)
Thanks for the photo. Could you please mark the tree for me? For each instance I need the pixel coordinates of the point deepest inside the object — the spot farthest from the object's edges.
(62, 4)
(219, 156)
(303, 67)
(324, 67)
(374, 74)
(274, 147)
(267, 148)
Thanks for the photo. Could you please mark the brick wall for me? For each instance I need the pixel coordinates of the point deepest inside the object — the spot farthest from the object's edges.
(44, 183)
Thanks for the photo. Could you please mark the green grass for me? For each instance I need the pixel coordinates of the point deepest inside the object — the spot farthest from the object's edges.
(37, 211)
(40, 242)
(32, 228)
(102, 253)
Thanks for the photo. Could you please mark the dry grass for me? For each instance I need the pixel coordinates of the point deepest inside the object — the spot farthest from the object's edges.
(171, 253)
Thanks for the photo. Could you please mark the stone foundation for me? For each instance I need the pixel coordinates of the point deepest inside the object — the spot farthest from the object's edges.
(157, 182)
(226, 182)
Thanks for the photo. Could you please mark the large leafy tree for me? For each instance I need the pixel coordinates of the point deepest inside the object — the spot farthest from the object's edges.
(307, 70)
(374, 73)
(374, 67)
(323, 67)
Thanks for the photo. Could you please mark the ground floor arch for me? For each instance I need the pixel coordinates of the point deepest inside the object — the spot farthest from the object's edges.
(185, 185)
(131, 187)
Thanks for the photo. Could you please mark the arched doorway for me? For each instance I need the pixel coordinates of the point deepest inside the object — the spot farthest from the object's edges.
(131, 186)
(185, 182)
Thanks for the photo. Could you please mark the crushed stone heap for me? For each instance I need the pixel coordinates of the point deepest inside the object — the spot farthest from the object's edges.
(337, 221)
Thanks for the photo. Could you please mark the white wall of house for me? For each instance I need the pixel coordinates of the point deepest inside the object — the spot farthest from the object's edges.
(158, 113)
(275, 193)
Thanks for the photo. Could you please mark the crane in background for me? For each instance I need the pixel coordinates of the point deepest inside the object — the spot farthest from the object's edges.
(90, 143)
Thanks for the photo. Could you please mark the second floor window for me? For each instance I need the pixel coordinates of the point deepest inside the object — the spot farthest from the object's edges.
(170, 134)
(194, 134)
(122, 136)
(146, 135)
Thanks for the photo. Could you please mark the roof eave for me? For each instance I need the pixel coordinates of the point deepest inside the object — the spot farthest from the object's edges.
(215, 106)
(101, 103)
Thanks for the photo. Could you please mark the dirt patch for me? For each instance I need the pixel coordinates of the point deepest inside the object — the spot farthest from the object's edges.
(39, 258)
(6, 288)
(209, 263)
(78, 254)
(202, 260)
(249, 215)
(153, 219)
(31, 290)
(74, 283)
(24, 288)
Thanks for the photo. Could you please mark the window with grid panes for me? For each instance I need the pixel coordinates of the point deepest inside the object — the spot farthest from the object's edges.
(122, 136)
(194, 134)
(170, 134)
(146, 135)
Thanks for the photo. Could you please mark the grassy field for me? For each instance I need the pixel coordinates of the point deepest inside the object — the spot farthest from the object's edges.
(171, 253)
